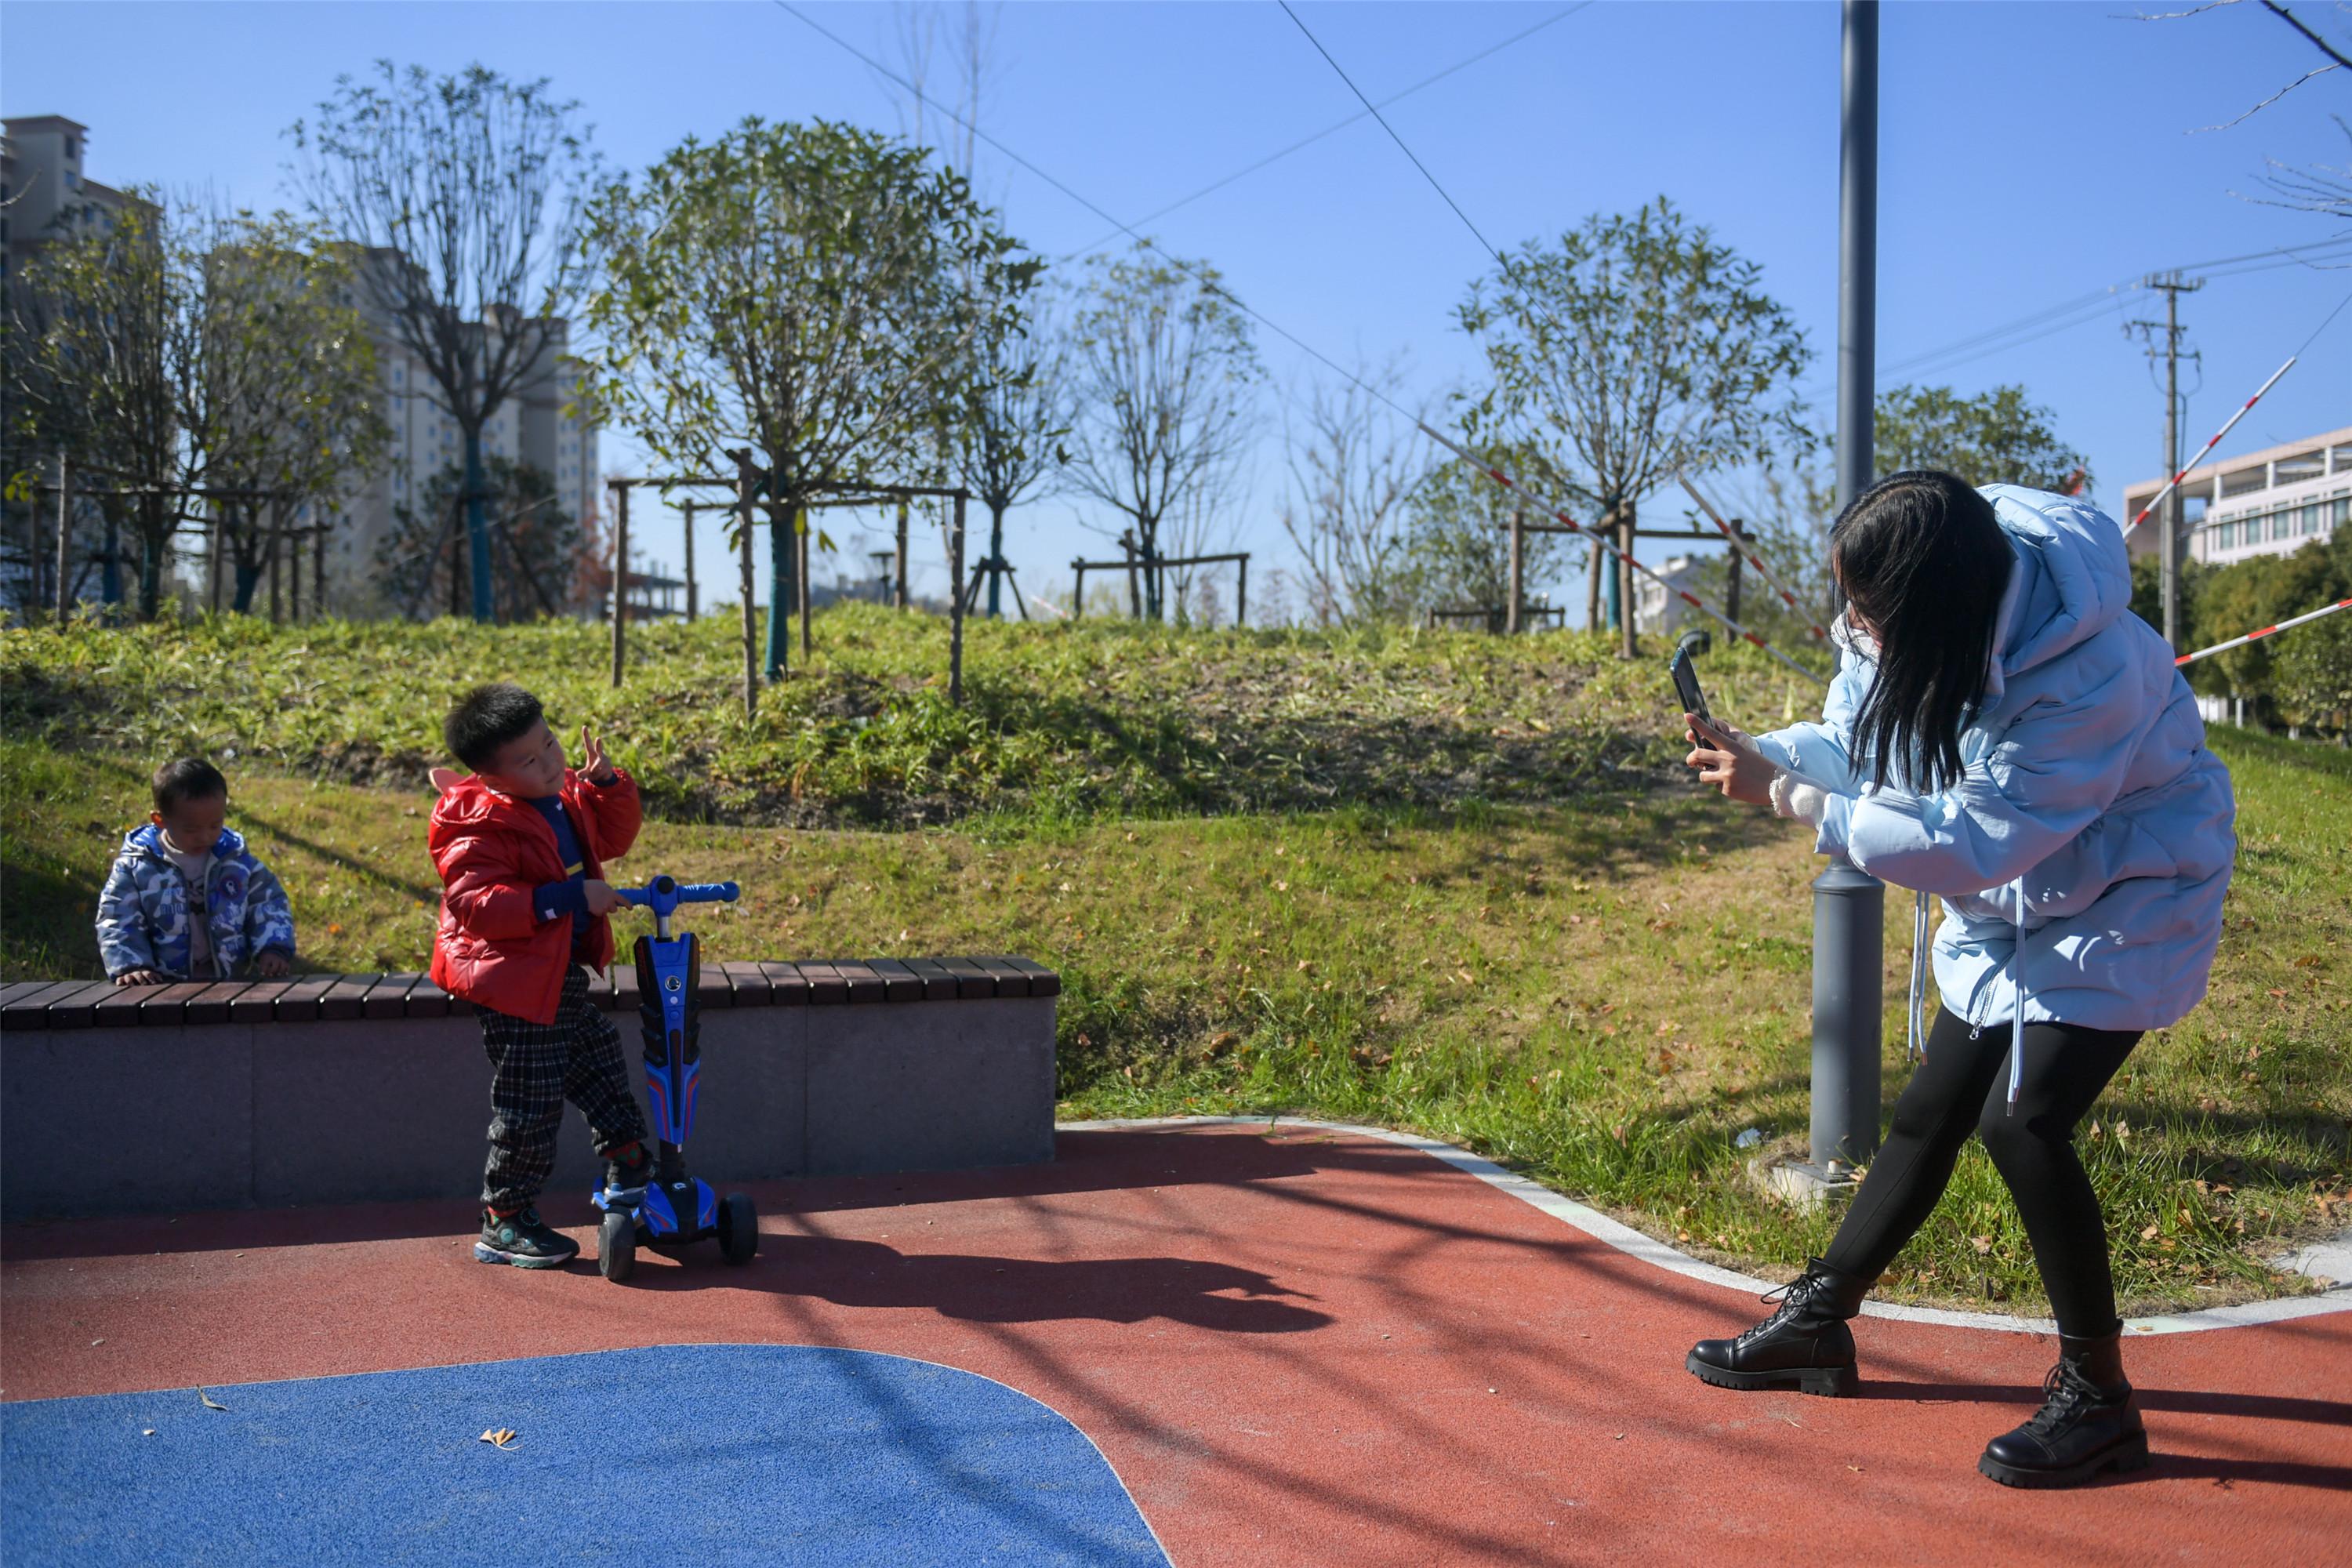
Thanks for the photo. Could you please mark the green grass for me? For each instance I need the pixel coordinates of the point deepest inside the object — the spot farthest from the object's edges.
(1602, 978)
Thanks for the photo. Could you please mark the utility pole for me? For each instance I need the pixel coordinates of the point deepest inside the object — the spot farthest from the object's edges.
(2168, 535)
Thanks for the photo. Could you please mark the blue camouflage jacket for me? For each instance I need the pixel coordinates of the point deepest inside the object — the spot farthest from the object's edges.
(142, 915)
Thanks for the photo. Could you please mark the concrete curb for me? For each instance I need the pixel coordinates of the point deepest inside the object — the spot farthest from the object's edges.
(1628, 1240)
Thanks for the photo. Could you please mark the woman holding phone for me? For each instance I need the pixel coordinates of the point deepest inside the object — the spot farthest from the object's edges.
(2005, 733)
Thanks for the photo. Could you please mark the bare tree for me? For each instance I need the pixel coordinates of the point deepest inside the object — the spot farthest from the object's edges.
(2316, 187)
(1003, 438)
(467, 195)
(1354, 461)
(1161, 385)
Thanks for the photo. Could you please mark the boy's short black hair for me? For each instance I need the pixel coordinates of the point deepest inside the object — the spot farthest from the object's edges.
(188, 778)
(489, 717)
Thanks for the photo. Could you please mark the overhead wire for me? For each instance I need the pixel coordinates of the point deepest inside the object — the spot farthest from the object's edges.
(1336, 125)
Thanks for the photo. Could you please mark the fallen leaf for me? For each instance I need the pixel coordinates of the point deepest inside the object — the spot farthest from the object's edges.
(501, 1437)
(2148, 1234)
(210, 1403)
(149, 1432)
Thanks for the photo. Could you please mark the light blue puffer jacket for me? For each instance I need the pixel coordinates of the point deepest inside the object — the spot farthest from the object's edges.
(2082, 858)
(143, 914)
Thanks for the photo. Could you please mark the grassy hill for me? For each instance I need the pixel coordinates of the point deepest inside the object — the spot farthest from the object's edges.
(1443, 881)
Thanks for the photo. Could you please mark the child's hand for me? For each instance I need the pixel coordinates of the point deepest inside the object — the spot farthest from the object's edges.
(140, 977)
(591, 759)
(272, 966)
(601, 899)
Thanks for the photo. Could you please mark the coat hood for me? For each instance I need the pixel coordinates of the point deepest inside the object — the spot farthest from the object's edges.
(147, 839)
(2073, 578)
(468, 803)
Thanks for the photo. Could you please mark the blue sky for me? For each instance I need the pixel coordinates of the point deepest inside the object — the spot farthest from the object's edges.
(2029, 155)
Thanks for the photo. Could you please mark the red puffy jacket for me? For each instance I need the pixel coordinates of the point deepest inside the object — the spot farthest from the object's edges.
(493, 852)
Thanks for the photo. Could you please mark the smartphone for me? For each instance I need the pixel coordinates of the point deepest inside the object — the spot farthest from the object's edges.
(1693, 701)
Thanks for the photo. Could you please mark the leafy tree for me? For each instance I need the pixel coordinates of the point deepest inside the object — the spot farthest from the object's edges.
(1458, 538)
(1163, 379)
(1996, 437)
(291, 379)
(809, 291)
(420, 564)
(465, 197)
(2314, 670)
(2263, 591)
(1643, 345)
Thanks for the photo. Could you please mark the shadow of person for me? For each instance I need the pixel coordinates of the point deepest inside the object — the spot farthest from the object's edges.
(976, 1289)
(2185, 1401)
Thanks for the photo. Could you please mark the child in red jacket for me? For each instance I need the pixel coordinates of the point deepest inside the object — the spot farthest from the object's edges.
(520, 846)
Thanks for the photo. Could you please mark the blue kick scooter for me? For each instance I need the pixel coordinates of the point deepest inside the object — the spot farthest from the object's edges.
(675, 1208)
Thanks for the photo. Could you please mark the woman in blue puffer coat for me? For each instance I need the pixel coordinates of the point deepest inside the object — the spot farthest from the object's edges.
(2002, 733)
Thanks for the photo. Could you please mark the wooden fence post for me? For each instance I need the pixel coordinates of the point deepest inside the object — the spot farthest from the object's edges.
(1731, 584)
(620, 579)
(1079, 594)
(743, 487)
(1241, 594)
(1519, 536)
(955, 607)
(899, 590)
(801, 549)
(693, 595)
(65, 532)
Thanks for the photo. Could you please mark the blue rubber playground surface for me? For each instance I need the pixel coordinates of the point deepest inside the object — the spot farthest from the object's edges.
(699, 1454)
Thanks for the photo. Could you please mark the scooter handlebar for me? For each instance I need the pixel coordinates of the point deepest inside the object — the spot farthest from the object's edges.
(665, 893)
(708, 892)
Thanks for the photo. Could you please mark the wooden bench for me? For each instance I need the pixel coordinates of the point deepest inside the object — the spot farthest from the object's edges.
(356, 1087)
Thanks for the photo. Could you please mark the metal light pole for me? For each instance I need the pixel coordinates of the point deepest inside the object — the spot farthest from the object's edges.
(1849, 905)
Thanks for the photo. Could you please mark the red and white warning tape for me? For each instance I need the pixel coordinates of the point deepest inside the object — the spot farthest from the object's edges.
(2174, 483)
(2266, 631)
(1603, 540)
(1812, 623)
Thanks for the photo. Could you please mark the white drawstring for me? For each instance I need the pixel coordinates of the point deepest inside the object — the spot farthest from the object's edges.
(2017, 994)
(1915, 1047)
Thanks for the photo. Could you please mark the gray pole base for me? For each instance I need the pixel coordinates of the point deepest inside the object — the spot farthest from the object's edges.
(1849, 993)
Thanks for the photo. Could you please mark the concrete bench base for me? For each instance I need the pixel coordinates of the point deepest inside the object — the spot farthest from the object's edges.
(115, 1120)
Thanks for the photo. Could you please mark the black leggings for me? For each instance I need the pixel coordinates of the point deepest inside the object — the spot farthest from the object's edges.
(1962, 1086)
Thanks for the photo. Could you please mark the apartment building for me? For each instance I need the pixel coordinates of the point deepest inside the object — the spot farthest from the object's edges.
(42, 183)
(2271, 502)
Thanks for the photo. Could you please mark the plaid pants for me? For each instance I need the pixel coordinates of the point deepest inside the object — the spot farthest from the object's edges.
(535, 1068)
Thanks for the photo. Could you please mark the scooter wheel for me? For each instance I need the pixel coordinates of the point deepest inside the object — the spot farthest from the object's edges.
(739, 1229)
(616, 1246)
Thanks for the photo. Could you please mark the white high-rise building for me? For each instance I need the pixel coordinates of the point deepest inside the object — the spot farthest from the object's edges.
(530, 428)
(40, 181)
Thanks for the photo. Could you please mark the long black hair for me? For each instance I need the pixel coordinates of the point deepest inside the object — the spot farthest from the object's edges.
(1920, 555)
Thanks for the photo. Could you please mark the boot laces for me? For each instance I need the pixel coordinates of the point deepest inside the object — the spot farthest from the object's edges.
(2065, 1392)
(1795, 1297)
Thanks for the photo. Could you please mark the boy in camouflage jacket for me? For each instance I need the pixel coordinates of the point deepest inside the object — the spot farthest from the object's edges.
(184, 859)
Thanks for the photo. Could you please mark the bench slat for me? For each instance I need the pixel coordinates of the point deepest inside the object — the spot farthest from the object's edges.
(427, 999)
(787, 986)
(77, 1009)
(1010, 982)
(213, 1005)
(298, 1003)
(119, 1011)
(15, 988)
(168, 1004)
(346, 998)
(258, 1003)
(939, 986)
(1043, 982)
(752, 987)
(28, 1009)
(388, 997)
(972, 982)
(826, 983)
(899, 984)
(864, 986)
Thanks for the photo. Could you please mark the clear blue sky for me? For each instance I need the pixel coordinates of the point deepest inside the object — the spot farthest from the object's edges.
(2031, 154)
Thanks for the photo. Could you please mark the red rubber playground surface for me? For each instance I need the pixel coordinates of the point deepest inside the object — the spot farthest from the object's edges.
(1301, 1347)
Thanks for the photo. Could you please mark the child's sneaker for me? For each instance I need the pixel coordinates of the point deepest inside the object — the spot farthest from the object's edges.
(625, 1174)
(521, 1239)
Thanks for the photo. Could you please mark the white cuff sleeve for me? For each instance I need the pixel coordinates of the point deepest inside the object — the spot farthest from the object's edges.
(1796, 800)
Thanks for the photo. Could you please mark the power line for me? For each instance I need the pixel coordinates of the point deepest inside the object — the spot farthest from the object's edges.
(1369, 108)
(1337, 125)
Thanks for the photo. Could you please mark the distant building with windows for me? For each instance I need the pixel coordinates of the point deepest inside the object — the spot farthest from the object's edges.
(41, 183)
(2271, 502)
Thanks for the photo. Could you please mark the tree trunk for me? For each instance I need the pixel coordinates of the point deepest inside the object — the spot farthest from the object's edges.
(277, 593)
(780, 590)
(996, 557)
(1593, 589)
(110, 574)
(743, 526)
(1625, 577)
(151, 560)
(477, 527)
(801, 561)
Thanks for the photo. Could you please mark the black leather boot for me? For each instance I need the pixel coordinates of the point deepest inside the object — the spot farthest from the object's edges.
(1805, 1344)
(2087, 1425)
